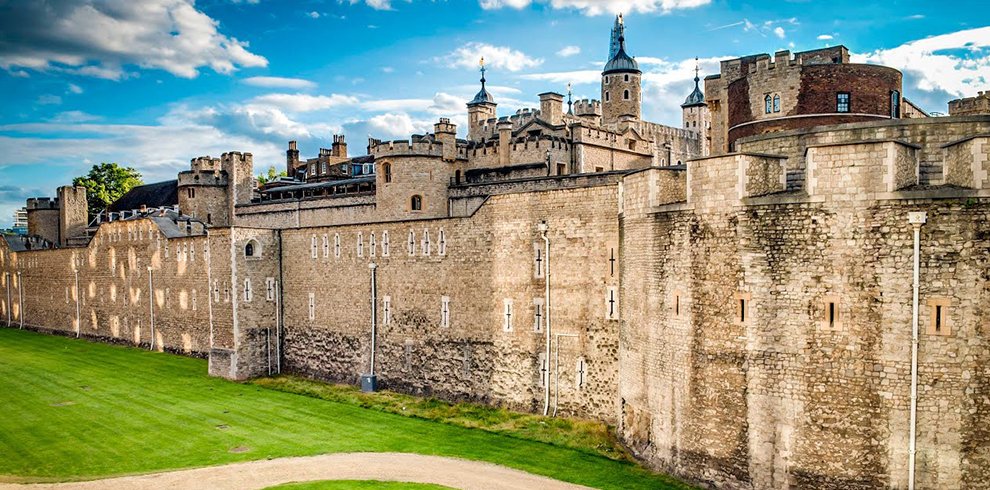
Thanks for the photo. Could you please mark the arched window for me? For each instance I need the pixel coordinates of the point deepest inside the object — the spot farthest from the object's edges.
(252, 249)
(606, 96)
(416, 203)
(625, 94)
(457, 177)
(895, 104)
(776, 103)
(768, 103)
(387, 172)
(627, 77)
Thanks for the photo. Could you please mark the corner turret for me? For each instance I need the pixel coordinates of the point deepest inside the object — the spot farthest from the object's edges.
(480, 109)
(621, 88)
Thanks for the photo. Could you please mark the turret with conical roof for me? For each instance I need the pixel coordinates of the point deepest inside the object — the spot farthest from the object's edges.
(694, 111)
(481, 108)
(621, 89)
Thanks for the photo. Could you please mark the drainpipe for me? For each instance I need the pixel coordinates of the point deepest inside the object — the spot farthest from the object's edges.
(279, 320)
(543, 227)
(151, 307)
(20, 298)
(7, 280)
(916, 220)
(78, 318)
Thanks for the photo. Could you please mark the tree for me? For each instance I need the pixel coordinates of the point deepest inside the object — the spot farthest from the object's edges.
(271, 176)
(105, 183)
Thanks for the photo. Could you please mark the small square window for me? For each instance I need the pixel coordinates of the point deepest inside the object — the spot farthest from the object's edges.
(842, 102)
(938, 323)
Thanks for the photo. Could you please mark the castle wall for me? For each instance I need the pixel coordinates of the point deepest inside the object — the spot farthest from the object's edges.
(782, 395)
(43, 216)
(307, 212)
(486, 260)
(101, 291)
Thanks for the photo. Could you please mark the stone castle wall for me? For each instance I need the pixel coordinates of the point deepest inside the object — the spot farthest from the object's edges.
(733, 371)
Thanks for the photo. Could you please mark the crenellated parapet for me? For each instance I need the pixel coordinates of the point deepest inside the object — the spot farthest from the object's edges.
(411, 148)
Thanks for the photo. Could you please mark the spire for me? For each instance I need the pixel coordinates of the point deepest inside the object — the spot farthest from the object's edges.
(696, 98)
(569, 103)
(618, 31)
(482, 97)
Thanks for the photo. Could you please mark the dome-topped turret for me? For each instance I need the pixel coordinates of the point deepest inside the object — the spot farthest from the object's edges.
(621, 62)
(696, 98)
(483, 96)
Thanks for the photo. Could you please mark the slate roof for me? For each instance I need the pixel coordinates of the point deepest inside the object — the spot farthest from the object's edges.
(159, 194)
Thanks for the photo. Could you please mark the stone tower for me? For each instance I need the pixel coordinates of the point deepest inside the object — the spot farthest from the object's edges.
(480, 109)
(621, 90)
(695, 112)
(73, 215)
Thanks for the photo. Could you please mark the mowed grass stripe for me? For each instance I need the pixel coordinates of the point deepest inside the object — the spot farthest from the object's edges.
(136, 411)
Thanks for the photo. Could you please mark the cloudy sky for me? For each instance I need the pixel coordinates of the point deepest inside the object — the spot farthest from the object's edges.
(152, 84)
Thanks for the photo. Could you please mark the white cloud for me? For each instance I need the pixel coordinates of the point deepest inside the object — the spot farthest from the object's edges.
(387, 69)
(387, 126)
(314, 15)
(562, 77)
(75, 89)
(569, 51)
(74, 117)
(597, 7)
(957, 63)
(376, 4)
(49, 99)
(498, 57)
(779, 32)
(279, 82)
(825, 37)
(304, 102)
(667, 84)
(99, 38)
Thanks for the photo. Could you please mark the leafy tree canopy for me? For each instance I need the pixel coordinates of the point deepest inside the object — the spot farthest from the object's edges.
(105, 183)
(270, 176)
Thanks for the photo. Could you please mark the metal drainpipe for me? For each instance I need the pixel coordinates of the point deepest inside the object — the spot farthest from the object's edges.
(543, 227)
(20, 297)
(278, 308)
(7, 280)
(78, 318)
(151, 307)
(374, 314)
(916, 220)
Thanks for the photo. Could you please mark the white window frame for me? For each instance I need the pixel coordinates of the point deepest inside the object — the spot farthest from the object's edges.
(312, 306)
(312, 247)
(445, 311)
(507, 315)
(411, 245)
(441, 242)
(336, 245)
(269, 289)
(385, 250)
(326, 246)
(360, 244)
(386, 310)
(538, 315)
(248, 293)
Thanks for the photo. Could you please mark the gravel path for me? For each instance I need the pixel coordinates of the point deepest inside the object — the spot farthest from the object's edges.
(452, 472)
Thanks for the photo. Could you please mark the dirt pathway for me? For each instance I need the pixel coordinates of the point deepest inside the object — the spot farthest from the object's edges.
(456, 473)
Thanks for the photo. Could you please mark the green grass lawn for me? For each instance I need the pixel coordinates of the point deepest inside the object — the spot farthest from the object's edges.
(80, 410)
(358, 485)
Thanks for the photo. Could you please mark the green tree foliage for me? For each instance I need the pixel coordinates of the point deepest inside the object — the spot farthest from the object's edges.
(105, 183)
(270, 176)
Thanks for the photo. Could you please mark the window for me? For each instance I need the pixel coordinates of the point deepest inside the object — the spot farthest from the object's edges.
(193, 299)
(561, 169)
(743, 308)
(544, 369)
(336, 245)
(216, 291)
(677, 304)
(386, 310)
(441, 242)
(416, 203)
(939, 323)
(209, 218)
(626, 77)
(426, 242)
(411, 244)
(445, 311)
(768, 104)
(360, 244)
(776, 103)
(611, 303)
(247, 291)
(269, 289)
(385, 243)
(323, 168)
(831, 313)
(312, 306)
(326, 246)
(507, 315)
(606, 80)
(372, 246)
(580, 369)
(625, 95)
(538, 318)
(191, 192)
(606, 96)
(895, 104)
(387, 172)
(538, 259)
(842, 102)
(312, 247)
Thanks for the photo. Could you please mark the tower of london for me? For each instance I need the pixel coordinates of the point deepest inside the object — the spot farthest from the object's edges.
(733, 294)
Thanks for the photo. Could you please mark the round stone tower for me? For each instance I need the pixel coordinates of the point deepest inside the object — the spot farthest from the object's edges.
(621, 89)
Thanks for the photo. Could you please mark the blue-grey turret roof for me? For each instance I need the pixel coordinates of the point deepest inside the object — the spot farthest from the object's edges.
(483, 96)
(621, 62)
(696, 97)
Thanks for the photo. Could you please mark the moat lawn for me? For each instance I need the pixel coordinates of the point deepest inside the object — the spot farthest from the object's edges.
(74, 410)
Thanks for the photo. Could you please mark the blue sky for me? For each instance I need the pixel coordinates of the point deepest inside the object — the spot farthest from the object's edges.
(152, 84)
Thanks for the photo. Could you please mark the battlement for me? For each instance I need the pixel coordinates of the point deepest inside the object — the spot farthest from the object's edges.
(587, 107)
(416, 147)
(205, 164)
(741, 67)
(34, 203)
(970, 105)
